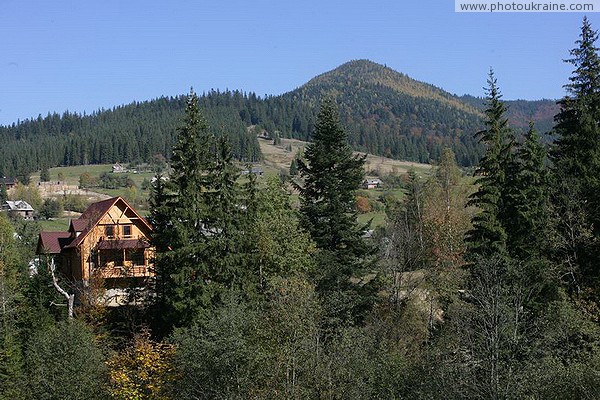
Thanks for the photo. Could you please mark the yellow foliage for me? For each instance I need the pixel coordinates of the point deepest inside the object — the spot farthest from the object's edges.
(141, 370)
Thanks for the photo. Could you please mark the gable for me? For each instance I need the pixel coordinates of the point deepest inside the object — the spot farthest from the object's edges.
(112, 212)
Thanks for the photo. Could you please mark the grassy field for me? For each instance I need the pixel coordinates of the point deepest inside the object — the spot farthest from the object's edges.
(378, 219)
(71, 174)
(280, 157)
(277, 159)
(55, 224)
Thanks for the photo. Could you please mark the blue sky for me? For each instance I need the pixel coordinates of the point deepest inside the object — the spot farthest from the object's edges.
(82, 56)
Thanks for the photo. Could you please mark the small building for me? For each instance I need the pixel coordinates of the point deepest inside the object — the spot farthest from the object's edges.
(110, 240)
(118, 168)
(258, 171)
(9, 183)
(372, 183)
(19, 207)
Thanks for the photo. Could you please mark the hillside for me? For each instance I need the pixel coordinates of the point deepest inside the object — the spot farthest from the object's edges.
(520, 112)
(386, 113)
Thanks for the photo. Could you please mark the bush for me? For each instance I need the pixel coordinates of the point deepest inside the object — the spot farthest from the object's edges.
(51, 208)
(74, 202)
(64, 362)
(362, 204)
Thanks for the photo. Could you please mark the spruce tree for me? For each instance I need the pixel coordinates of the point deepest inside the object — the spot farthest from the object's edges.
(495, 169)
(576, 153)
(294, 167)
(3, 194)
(199, 224)
(529, 237)
(331, 175)
(576, 159)
(179, 210)
(45, 175)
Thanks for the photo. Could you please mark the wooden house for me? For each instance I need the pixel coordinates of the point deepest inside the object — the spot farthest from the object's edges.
(110, 240)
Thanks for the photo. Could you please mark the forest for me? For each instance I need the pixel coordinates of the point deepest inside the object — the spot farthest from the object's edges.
(477, 286)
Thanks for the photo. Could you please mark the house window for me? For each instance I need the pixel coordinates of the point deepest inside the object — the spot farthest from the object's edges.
(136, 256)
(127, 231)
(112, 257)
(109, 231)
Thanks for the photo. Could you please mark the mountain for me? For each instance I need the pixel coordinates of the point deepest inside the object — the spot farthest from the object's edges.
(385, 113)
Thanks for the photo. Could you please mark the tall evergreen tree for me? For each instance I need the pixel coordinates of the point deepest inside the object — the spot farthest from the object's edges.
(198, 221)
(180, 211)
(45, 175)
(528, 238)
(3, 193)
(495, 169)
(576, 157)
(332, 174)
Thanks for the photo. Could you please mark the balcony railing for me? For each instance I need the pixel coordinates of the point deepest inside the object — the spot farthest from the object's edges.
(127, 270)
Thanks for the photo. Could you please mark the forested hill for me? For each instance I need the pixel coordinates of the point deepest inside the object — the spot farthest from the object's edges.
(520, 112)
(384, 111)
(134, 132)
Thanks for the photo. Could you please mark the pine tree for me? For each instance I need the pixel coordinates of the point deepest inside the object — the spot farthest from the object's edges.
(294, 167)
(577, 150)
(332, 174)
(3, 193)
(199, 224)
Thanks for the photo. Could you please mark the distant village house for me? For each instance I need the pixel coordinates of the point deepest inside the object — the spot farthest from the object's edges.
(118, 168)
(258, 171)
(19, 207)
(372, 183)
(9, 183)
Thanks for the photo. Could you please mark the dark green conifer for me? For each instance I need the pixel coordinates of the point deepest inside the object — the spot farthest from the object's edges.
(528, 237)
(180, 210)
(577, 150)
(576, 162)
(44, 175)
(332, 174)
(3, 194)
(495, 169)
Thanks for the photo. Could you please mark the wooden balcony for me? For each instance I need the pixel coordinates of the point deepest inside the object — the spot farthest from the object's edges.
(128, 270)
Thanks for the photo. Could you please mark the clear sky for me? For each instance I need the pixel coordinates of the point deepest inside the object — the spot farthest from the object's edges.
(85, 55)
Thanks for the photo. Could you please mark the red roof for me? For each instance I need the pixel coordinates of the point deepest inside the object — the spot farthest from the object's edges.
(79, 225)
(53, 242)
(123, 244)
(95, 211)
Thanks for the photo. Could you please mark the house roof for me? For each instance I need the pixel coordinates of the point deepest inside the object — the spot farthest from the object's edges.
(53, 242)
(94, 213)
(79, 225)
(18, 205)
(123, 244)
(7, 181)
